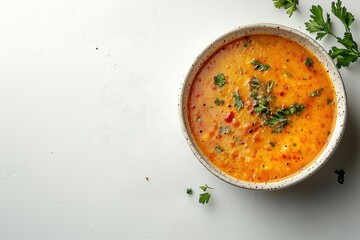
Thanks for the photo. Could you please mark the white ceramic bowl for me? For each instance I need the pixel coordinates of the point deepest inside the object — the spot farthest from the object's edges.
(335, 76)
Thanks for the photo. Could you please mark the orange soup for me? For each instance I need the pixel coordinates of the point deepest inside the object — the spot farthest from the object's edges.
(261, 108)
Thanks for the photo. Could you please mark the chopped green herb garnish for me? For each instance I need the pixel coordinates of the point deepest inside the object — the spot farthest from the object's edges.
(269, 86)
(219, 80)
(260, 66)
(279, 120)
(260, 101)
(261, 109)
(289, 5)
(272, 144)
(255, 83)
(317, 92)
(204, 198)
(309, 62)
(294, 108)
(224, 129)
(262, 105)
(218, 149)
(189, 191)
(238, 102)
(329, 101)
(254, 94)
(205, 187)
(219, 102)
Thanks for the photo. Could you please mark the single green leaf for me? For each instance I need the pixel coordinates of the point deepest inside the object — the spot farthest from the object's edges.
(238, 102)
(278, 3)
(219, 80)
(255, 83)
(219, 102)
(219, 149)
(260, 66)
(344, 16)
(270, 85)
(295, 108)
(261, 109)
(204, 198)
(349, 42)
(205, 187)
(254, 94)
(317, 24)
(290, 5)
(317, 92)
(309, 62)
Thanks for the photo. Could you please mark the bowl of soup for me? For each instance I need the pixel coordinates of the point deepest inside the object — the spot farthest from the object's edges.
(263, 107)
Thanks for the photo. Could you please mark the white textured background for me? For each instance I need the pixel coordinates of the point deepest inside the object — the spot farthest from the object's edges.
(88, 110)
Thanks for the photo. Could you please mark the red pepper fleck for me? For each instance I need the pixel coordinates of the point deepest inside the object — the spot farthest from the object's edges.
(284, 156)
(282, 94)
(229, 117)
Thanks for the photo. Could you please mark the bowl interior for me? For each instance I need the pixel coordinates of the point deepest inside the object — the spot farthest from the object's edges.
(329, 65)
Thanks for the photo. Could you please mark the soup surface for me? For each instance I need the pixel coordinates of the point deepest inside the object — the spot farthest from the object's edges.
(261, 108)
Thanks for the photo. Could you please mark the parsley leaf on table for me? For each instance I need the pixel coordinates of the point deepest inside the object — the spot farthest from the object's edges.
(205, 187)
(317, 24)
(290, 5)
(204, 198)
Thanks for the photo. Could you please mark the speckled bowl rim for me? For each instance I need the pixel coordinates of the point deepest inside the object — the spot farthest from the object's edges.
(313, 46)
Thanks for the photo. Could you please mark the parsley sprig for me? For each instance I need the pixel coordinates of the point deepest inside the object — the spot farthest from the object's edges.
(289, 5)
(260, 94)
(205, 196)
(349, 52)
